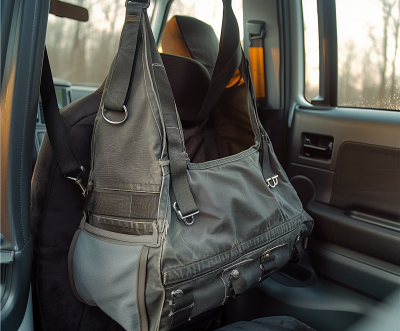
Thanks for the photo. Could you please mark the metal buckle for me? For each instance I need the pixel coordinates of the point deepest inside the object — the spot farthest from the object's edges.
(183, 218)
(138, 1)
(78, 180)
(115, 122)
(272, 181)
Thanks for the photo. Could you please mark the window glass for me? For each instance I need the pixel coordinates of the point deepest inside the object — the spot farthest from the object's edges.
(81, 52)
(368, 53)
(311, 49)
(208, 11)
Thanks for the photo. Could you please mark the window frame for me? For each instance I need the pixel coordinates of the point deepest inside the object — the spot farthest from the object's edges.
(328, 55)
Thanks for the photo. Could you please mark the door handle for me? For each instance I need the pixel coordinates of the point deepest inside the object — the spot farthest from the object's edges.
(318, 148)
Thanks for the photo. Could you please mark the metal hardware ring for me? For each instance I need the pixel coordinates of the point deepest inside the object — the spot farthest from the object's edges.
(180, 216)
(115, 122)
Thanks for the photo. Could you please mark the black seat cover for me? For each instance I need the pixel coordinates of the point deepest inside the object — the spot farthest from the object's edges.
(57, 205)
(189, 37)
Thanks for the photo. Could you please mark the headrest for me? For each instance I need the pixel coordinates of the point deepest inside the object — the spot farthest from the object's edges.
(189, 37)
(189, 81)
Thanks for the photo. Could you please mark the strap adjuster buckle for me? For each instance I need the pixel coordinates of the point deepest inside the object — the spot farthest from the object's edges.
(184, 218)
(78, 180)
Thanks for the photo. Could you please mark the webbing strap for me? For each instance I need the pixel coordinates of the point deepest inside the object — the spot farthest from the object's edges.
(267, 166)
(226, 65)
(177, 155)
(256, 56)
(181, 308)
(143, 206)
(116, 91)
(57, 127)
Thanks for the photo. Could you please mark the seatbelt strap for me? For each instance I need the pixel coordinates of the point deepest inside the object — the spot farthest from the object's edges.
(226, 65)
(256, 56)
(57, 128)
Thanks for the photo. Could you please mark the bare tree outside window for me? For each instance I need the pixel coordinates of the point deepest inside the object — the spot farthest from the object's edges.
(82, 52)
(208, 11)
(368, 57)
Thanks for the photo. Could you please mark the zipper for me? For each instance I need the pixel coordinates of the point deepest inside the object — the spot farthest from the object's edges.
(230, 264)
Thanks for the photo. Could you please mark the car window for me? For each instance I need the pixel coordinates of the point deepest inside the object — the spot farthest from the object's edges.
(368, 34)
(208, 11)
(368, 53)
(311, 49)
(81, 52)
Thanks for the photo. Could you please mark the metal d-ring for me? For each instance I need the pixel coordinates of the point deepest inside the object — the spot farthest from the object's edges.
(115, 122)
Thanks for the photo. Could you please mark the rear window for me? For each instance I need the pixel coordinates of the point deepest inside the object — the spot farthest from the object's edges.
(208, 11)
(82, 52)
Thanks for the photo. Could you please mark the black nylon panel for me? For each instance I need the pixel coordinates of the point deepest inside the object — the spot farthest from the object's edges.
(123, 205)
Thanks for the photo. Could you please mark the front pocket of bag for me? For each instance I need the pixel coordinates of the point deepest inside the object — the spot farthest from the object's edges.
(105, 273)
(193, 297)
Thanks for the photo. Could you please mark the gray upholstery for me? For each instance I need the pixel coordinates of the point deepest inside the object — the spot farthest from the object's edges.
(274, 323)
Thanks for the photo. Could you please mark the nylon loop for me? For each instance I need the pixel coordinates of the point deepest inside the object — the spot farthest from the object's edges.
(116, 91)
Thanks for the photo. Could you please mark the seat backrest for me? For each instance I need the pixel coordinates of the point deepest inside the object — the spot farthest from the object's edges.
(57, 205)
(189, 37)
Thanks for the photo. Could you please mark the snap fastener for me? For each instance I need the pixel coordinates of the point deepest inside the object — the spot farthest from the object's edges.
(265, 257)
(235, 274)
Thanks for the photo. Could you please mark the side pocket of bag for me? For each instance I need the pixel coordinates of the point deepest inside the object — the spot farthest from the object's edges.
(110, 274)
(70, 265)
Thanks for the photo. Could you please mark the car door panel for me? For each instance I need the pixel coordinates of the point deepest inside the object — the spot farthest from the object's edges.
(19, 98)
(364, 178)
(354, 194)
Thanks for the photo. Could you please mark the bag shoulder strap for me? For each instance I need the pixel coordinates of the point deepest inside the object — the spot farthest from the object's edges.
(116, 92)
(227, 62)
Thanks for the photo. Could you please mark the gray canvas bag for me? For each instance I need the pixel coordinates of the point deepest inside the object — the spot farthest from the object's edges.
(164, 239)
